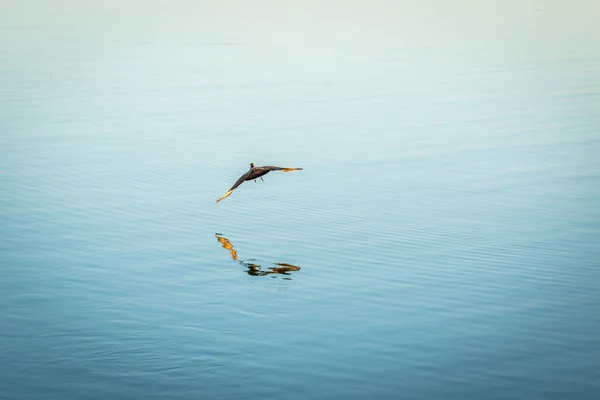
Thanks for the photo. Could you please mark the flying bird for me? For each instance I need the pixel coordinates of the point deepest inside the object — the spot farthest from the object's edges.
(253, 174)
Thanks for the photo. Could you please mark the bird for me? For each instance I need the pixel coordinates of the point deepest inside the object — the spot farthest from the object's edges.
(253, 174)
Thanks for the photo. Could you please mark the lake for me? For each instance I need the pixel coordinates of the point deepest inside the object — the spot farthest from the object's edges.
(441, 242)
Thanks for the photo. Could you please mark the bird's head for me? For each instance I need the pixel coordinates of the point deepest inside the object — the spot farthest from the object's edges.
(251, 165)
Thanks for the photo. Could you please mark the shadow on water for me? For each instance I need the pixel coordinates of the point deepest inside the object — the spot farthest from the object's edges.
(256, 269)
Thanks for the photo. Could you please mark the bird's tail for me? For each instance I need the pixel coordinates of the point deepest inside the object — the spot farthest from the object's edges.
(291, 169)
(225, 195)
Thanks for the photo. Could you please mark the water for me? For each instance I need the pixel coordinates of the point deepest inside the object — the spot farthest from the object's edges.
(442, 240)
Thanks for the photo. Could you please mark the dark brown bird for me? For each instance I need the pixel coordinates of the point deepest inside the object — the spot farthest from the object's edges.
(253, 174)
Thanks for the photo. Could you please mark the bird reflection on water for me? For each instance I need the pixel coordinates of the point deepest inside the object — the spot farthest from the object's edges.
(255, 269)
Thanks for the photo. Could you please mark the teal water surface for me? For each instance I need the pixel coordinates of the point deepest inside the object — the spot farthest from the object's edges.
(442, 240)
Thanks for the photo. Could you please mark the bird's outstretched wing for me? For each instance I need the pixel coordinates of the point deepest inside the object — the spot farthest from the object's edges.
(236, 184)
(273, 168)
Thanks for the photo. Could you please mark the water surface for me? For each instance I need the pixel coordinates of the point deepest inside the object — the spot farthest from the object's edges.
(441, 242)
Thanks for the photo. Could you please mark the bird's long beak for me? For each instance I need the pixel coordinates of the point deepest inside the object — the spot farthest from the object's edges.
(291, 169)
(225, 195)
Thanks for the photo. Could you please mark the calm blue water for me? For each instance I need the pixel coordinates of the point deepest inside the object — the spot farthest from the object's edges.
(442, 241)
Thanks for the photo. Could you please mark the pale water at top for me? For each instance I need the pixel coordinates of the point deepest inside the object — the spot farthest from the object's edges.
(441, 242)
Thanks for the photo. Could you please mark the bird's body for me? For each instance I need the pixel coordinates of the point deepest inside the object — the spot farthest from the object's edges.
(253, 174)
